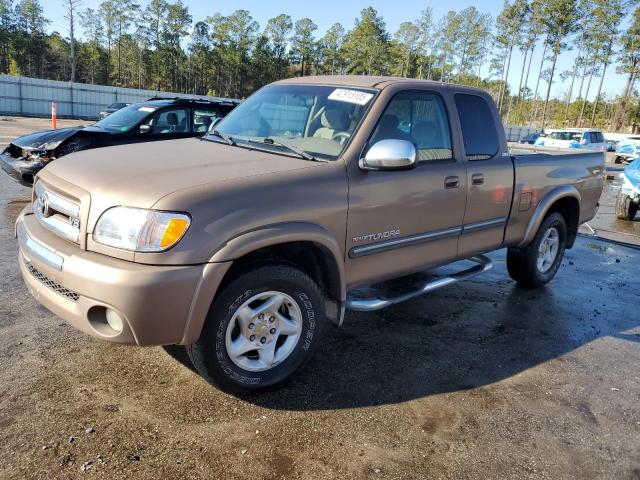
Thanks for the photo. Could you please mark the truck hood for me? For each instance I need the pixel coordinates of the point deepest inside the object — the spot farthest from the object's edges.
(139, 175)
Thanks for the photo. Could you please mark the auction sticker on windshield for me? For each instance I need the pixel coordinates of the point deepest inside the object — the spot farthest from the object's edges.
(350, 96)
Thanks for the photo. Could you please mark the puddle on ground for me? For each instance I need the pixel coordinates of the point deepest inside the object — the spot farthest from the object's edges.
(596, 247)
(606, 220)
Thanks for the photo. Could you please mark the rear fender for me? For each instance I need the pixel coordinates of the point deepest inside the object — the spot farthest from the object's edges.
(543, 208)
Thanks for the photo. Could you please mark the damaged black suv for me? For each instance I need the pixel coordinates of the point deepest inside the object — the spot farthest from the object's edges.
(153, 120)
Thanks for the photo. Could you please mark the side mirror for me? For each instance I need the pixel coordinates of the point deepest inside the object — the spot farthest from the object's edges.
(145, 129)
(390, 155)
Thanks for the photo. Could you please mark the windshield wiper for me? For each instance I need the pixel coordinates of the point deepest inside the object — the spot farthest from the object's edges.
(224, 136)
(291, 148)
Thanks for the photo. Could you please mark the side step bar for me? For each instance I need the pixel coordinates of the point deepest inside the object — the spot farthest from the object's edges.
(483, 264)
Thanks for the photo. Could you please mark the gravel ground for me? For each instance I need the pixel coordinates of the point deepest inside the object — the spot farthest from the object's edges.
(480, 380)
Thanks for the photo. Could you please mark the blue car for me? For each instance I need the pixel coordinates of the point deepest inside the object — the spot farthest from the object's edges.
(531, 138)
(628, 150)
(628, 200)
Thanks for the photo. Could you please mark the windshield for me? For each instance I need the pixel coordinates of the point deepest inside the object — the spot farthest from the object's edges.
(125, 119)
(318, 120)
(566, 136)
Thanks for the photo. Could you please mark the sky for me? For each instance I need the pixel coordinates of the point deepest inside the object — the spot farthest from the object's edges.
(326, 12)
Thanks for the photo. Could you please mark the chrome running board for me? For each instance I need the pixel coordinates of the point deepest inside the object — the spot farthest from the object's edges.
(378, 302)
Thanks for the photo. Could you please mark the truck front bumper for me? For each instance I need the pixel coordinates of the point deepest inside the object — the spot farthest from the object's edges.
(155, 305)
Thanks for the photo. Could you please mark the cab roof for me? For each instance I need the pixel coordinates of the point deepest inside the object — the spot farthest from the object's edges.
(368, 81)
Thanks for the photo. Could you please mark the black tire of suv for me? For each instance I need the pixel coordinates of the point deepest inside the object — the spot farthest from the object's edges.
(209, 354)
(522, 262)
(626, 209)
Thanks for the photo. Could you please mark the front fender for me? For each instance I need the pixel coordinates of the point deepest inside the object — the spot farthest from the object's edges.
(285, 233)
(542, 209)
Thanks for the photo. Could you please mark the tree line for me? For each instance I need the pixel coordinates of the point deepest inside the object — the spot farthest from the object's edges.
(160, 46)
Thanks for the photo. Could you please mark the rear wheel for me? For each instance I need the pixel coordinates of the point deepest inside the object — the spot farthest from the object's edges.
(537, 264)
(260, 330)
(626, 208)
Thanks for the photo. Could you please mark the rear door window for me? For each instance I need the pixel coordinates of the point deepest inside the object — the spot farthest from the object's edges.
(203, 118)
(478, 128)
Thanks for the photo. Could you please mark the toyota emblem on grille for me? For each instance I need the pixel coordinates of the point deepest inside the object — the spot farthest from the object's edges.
(43, 205)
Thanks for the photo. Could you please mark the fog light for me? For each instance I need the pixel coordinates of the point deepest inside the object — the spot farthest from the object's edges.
(115, 320)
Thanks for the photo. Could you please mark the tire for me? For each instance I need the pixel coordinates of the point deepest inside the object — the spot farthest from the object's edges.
(618, 160)
(297, 307)
(524, 264)
(626, 208)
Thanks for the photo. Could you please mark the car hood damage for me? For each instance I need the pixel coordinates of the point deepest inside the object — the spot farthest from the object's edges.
(52, 139)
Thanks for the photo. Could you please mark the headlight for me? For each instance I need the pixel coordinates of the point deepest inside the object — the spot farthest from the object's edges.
(140, 230)
(51, 145)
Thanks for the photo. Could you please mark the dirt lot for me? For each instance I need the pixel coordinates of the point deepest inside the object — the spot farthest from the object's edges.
(482, 380)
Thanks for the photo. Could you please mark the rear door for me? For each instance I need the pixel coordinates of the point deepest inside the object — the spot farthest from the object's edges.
(403, 221)
(597, 141)
(489, 176)
(202, 118)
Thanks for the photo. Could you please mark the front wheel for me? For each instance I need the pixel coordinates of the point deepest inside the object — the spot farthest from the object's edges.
(537, 264)
(626, 208)
(260, 330)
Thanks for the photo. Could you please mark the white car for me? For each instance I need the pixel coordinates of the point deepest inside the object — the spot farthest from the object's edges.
(587, 139)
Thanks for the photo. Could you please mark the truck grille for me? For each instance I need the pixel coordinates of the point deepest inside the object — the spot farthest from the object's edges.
(52, 284)
(57, 213)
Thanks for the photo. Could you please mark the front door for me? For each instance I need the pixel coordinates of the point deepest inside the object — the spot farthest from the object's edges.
(402, 221)
(170, 123)
(489, 177)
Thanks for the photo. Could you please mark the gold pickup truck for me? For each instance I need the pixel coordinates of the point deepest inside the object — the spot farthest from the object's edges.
(244, 245)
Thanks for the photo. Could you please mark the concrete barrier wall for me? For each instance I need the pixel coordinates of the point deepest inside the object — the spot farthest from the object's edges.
(33, 97)
(515, 133)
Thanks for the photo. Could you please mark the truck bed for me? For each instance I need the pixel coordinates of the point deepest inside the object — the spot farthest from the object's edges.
(540, 170)
(519, 149)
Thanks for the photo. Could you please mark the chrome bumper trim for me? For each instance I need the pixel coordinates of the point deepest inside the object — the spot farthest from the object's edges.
(32, 249)
(59, 226)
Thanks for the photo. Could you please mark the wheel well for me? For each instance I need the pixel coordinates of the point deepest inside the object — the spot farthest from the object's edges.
(311, 257)
(569, 208)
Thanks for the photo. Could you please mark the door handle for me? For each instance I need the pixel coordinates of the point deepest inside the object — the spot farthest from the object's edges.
(452, 182)
(477, 179)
